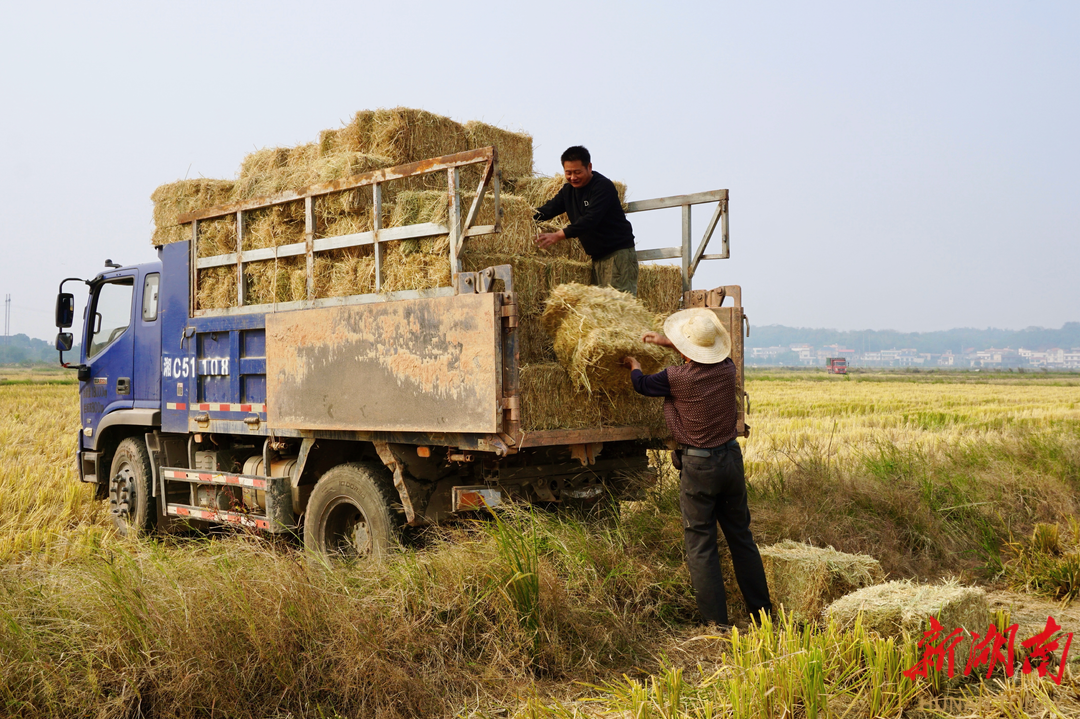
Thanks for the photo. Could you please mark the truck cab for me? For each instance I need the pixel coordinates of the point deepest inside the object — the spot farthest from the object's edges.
(119, 396)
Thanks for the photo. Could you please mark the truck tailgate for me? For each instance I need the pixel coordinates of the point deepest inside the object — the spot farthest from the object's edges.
(423, 365)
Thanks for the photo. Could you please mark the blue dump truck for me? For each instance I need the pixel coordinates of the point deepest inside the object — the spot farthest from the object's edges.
(345, 419)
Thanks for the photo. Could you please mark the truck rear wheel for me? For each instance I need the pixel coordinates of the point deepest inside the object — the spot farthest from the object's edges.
(130, 502)
(350, 513)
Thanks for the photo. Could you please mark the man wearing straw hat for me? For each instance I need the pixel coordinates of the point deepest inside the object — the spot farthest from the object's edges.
(700, 410)
(591, 202)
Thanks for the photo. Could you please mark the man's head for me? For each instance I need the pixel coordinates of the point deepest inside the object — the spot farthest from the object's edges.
(577, 166)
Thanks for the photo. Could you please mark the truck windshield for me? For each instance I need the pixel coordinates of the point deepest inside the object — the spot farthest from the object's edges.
(112, 314)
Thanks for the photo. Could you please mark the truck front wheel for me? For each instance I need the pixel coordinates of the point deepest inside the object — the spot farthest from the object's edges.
(130, 501)
(350, 513)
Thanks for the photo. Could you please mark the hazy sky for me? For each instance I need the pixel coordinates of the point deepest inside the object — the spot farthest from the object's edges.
(903, 165)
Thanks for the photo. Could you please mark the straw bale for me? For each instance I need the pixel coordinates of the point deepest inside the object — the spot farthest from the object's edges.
(216, 237)
(270, 281)
(534, 344)
(805, 579)
(352, 272)
(549, 400)
(415, 270)
(217, 288)
(274, 226)
(400, 134)
(345, 224)
(273, 170)
(517, 234)
(176, 198)
(595, 328)
(659, 288)
(894, 608)
(322, 273)
(515, 148)
(566, 271)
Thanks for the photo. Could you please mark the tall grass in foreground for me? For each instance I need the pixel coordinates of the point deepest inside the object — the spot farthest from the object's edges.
(787, 670)
(241, 628)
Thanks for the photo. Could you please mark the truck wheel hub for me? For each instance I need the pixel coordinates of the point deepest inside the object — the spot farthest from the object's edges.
(122, 493)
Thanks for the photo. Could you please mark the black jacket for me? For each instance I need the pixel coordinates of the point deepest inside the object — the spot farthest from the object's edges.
(596, 217)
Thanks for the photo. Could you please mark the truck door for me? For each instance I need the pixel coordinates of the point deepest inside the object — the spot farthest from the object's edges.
(109, 349)
(146, 390)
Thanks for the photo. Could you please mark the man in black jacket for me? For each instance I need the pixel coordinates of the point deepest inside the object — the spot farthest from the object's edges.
(591, 202)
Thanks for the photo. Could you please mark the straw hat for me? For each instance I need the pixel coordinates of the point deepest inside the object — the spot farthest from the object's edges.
(699, 335)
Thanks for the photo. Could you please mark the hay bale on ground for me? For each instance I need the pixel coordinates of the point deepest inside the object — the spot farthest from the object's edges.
(893, 608)
(805, 579)
(549, 400)
(660, 288)
(515, 148)
(176, 198)
(594, 329)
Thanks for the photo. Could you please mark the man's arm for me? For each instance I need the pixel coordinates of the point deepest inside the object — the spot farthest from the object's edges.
(552, 208)
(650, 385)
(604, 199)
(656, 338)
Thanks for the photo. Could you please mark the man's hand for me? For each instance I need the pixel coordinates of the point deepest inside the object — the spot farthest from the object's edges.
(655, 338)
(631, 363)
(547, 239)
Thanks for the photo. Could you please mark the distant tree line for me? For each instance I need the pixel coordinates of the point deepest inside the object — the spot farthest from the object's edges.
(23, 350)
(957, 340)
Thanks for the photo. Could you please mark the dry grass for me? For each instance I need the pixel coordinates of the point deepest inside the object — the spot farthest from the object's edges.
(594, 329)
(91, 624)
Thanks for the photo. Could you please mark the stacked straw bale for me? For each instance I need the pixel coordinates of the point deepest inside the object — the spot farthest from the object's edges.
(659, 288)
(899, 607)
(553, 397)
(806, 579)
(594, 328)
(176, 198)
(549, 400)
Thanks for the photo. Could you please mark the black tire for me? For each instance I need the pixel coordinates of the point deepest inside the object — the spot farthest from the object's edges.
(134, 510)
(351, 513)
(604, 508)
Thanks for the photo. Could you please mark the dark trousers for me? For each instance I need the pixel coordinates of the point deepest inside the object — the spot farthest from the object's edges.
(713, 490)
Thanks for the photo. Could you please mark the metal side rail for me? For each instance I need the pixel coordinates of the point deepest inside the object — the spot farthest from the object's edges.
(255, 521)
(197, 476)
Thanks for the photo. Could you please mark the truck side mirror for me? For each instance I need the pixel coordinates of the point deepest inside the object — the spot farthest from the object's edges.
(64, 341)
(65, 310)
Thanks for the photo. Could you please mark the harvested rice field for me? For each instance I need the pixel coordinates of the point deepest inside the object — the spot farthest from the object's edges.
(931, 481)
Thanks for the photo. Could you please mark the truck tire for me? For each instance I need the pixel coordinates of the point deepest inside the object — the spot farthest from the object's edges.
(133, 508)
(350, 513)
